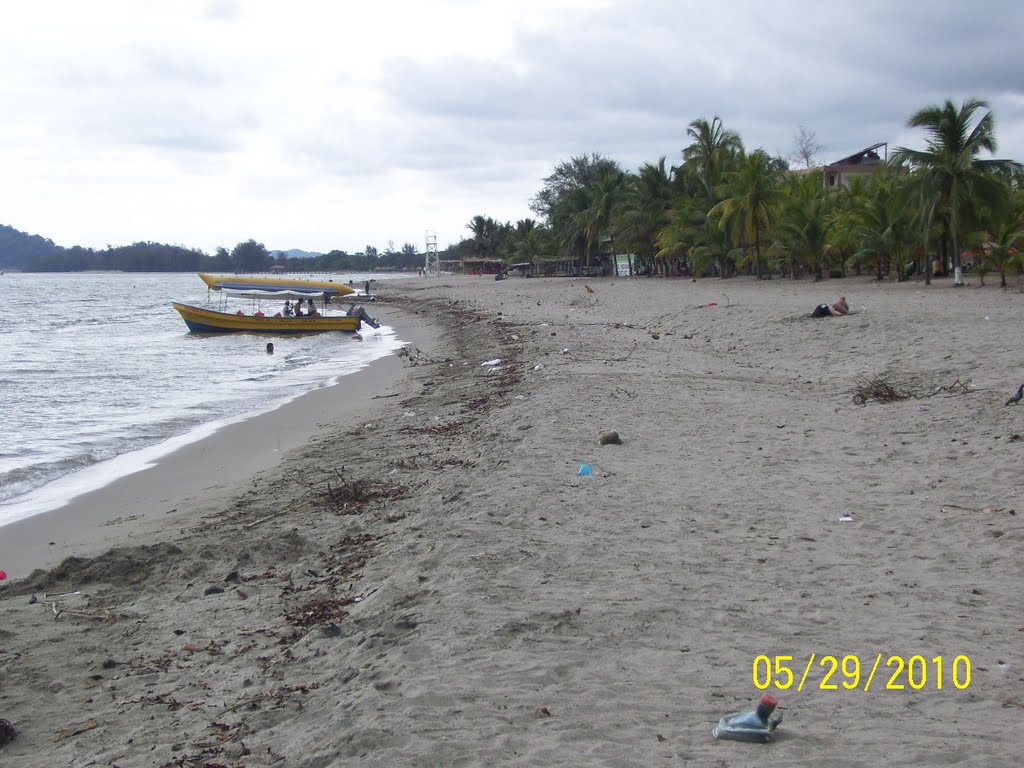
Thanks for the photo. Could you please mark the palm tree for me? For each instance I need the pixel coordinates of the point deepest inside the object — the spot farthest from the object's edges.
(754, 187)
(576, 201)
(527, 241)
(594, 221)
(705, 245)
(949, 172)
(805, 221)
(712, 149)
(845, 219)
(644, 210)
(1004, 240)
(482, 228)
(884, 221)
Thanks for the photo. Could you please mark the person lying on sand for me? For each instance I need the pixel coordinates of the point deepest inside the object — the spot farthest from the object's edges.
(826, 310)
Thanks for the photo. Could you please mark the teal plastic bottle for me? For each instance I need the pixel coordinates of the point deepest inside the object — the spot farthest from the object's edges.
(756, 725)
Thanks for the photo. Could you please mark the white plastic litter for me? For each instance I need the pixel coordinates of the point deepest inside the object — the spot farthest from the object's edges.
(491, 363)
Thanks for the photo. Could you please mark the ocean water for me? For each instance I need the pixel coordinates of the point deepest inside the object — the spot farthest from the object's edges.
(99, 377)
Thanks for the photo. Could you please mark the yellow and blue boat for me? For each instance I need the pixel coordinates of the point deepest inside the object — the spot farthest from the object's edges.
(201, 320)
(275, 290)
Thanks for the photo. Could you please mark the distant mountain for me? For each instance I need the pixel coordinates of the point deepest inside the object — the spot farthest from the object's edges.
(18, 248)
(296, 253)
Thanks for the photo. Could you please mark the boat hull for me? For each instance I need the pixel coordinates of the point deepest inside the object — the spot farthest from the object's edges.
(201, 320)
(245, 283)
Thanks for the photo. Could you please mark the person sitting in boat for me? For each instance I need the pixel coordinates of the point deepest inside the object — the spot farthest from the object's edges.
(312, 310)
(288, 309)
(298, 308)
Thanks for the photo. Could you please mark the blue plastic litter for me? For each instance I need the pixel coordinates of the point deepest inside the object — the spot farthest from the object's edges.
(757, 725)
(585, 469)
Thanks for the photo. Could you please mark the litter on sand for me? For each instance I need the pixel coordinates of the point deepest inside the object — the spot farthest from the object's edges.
(585, 469)
(756, 725)
(491, 363)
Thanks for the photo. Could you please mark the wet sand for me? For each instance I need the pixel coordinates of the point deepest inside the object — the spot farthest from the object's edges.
(434, 584)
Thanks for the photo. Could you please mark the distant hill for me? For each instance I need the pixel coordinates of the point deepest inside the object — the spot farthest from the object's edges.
(18, 248)
(297, 253)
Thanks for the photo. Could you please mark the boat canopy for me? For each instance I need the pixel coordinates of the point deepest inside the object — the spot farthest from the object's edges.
(298, 285)
(276, 295)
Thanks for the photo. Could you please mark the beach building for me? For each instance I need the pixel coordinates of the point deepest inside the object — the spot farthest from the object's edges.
(866, 161)
(480, 266)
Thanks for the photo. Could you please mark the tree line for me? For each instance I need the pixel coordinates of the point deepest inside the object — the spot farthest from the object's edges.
(725, 210)
(32, 253)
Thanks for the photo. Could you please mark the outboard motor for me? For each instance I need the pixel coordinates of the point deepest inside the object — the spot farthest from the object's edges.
(358, 311)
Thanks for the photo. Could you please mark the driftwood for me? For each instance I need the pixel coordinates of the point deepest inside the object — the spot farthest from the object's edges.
(956, 388)
(887, 388)
(74, 730)
(979, 509)
(881, 388)
(254, 523)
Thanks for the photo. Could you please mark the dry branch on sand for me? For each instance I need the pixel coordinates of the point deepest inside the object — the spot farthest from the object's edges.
(320, 611)
(889, 387)
(956, 388)
(882, 388)
(348, 496)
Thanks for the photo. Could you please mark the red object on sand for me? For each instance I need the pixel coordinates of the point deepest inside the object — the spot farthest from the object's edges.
(765, 707)
(711, 304)
(3, 575)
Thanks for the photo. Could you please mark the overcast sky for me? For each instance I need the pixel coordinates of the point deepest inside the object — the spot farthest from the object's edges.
(332, 124)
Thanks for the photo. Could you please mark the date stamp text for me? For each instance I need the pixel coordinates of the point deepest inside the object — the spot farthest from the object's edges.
(837, 673)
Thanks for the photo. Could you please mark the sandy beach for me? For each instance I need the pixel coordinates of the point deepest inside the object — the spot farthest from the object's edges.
(424, 579)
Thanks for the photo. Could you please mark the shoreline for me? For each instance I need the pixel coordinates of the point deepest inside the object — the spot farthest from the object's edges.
(436, 585)
(196, 477)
